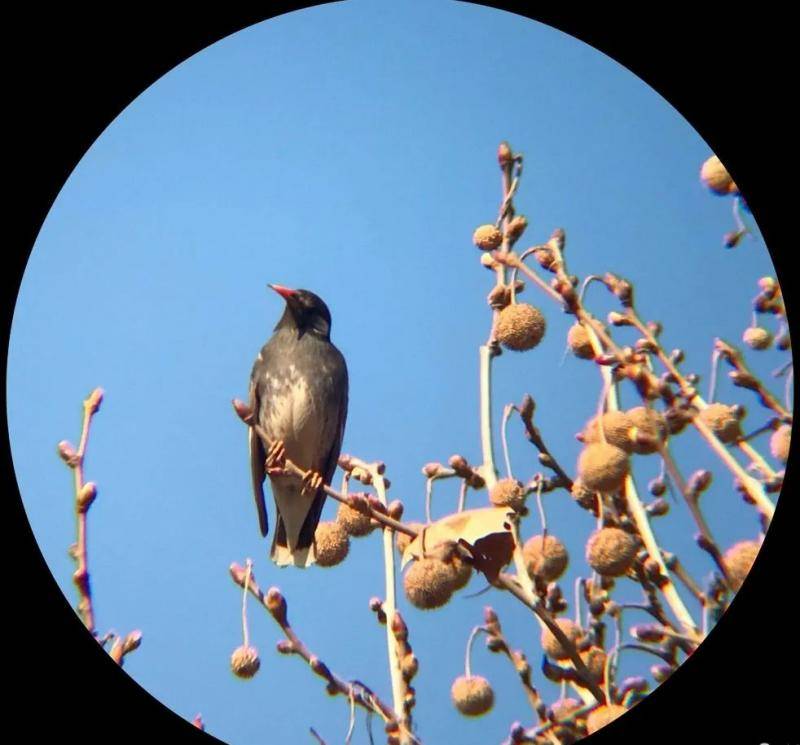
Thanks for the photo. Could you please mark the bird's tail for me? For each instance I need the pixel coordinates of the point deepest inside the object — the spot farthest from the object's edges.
(302, 555)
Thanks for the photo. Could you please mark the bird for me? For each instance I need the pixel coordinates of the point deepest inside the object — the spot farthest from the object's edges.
(299, 391)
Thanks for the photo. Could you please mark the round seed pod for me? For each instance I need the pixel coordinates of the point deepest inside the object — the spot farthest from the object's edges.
(461, 572)
(472, 695)
(331, 544)
(611, 551)
(595, 660)
(602, 716)
(652, 425)
(245, 662)
(722, 421)
(355, 523)
(552, 646)
(586, 498)
(615, 425)
(508, 493)
(402, 540)
(579, 343)
(738, 560)
(716, 177)
(602, 467)
(757, 337)
(487, 237)
(428, 583)
(520, 327)
(779, 442)
(545, 557)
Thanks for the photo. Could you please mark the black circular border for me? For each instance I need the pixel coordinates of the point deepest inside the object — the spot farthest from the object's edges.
(73, 71)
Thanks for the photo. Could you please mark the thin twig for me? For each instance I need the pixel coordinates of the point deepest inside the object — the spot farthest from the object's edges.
(276, 606)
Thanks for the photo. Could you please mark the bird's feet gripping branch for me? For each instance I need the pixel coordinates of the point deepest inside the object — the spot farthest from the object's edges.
(312, 483)
(275, 463)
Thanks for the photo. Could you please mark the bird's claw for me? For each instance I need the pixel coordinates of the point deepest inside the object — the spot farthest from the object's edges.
(276, 458)
(312, 483)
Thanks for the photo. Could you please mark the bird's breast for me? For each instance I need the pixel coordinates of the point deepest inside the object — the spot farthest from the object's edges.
(294, 413)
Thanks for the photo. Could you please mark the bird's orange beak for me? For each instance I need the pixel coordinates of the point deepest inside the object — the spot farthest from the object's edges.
(284, 292)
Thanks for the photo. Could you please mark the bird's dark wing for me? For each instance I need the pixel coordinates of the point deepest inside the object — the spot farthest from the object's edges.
(257, 458)
(329, 467)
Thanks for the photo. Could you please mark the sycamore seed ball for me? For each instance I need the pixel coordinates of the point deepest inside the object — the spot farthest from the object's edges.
(545, 557)
(721, 420)
(651, 424)
(602, 467)
(716, 177)
(579, 343)
(779, 442)
(472, 695)
(602, 716)
(508, 493)
(757, 337)
(552, 646)
(611, 551)
(428, 583)
(595, 660)
(355, 523)
(245, 662)
(487, 237)
(614, 425)
(738, 560)
(460, 571)
(331, 544)
(520, 327)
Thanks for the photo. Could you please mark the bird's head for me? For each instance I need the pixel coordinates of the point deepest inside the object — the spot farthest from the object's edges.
(305, 312)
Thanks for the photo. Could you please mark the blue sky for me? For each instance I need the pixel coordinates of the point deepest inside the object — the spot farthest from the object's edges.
(348, 149)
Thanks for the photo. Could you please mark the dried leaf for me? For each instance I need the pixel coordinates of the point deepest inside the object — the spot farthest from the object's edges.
(486, 532)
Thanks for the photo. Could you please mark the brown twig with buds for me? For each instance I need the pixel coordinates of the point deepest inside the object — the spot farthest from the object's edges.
(753, 488)
(496, 642)
(85, 494)
(277, 607)
(743, 378)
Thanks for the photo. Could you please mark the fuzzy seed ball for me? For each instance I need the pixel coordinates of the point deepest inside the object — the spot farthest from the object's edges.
(615, 425)
(739, 559)
(611, 551)
(508, 493)
(721, 420)
(461, 572)
(487, 237)
(331, 544)
(716, 177)
(245, 662)
(355, 523)
(545, 557)
(602, 467)
(520, 326)
(757, 337)
(428, 583)
(779, 442)
(602, 716)
(652, 425)
(472, 695)
(402, 540)
(579, 343)
(552, 646)
(595, 660)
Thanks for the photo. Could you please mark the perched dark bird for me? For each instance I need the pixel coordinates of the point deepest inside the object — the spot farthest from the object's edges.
(298, 395)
